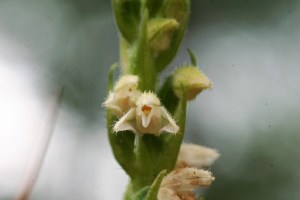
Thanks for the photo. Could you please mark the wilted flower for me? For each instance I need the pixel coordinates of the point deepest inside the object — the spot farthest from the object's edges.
(191, 155)
(180, 183)
(148, 117)
(123, 96)
(167, 194)
(191, 80)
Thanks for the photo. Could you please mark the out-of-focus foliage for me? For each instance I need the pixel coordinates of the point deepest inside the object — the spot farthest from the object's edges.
(268, 170)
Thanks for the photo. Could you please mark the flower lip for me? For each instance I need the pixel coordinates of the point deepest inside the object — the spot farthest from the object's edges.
(147, 106)
(146, 109)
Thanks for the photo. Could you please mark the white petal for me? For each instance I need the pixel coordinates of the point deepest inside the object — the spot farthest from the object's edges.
(109, 100)
(147, 119)
(171, 126)
(124, 123)
(110, 103)
(192, 155)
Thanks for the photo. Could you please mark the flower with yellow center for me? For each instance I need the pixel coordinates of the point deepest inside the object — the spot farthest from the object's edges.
(123, 96)
(147, 117)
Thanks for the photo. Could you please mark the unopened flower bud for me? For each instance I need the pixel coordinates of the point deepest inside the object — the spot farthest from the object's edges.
(147, 117)
(178, 10)
(160, 33)
(191, 155)
(189, 80)
(123, 96)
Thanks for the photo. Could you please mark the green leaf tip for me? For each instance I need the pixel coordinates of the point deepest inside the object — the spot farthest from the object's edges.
(141, 194)
(192, 57)
(153, 191)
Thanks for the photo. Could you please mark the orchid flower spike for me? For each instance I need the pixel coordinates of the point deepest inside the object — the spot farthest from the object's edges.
(123, 96)
(191, 155)
(148, 117)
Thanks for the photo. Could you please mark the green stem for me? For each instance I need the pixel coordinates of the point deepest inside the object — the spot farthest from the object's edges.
(140, 62)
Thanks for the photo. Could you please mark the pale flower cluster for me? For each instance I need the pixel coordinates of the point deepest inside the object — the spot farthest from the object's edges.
(140, 112)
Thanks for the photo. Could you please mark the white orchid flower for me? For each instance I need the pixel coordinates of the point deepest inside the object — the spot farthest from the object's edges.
(123, 96)
(148, 117)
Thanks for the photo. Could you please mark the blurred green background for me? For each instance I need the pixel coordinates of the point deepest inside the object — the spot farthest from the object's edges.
(249, 49)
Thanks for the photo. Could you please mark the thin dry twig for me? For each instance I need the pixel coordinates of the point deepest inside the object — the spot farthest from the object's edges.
(43, 142)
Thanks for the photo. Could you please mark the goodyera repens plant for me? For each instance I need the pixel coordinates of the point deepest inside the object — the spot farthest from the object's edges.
(145, 118)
